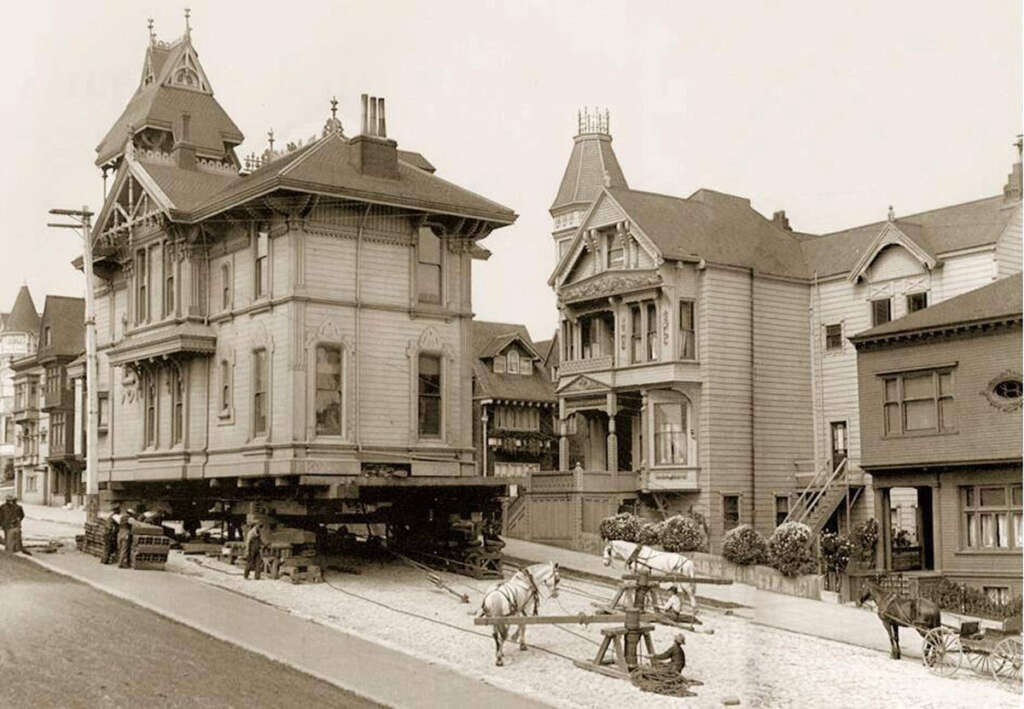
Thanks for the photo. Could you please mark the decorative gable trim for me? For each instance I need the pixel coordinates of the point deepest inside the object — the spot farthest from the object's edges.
(187, 73)
(891, 235)
(581, 241)
(150, 203)
(582, 383)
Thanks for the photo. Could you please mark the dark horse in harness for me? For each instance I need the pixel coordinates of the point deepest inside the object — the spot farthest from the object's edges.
(918, 613)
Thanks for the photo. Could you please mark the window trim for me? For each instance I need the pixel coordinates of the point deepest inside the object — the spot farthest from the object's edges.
(169, 295)
(900, 401)
(789, 502)
(873, 303)
(442, 399)
(739, 509)
(667, 396)
(150, 401)
(977, 509)
(101, 426)
(227, 290)
(179, 413)
(416, 296)
(842, 341)
(264, 382)
(143, 281)
(909, 296)
(342, 385)
(693, 332)
(261, 266)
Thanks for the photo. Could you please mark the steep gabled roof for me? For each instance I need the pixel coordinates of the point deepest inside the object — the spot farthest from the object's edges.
(160, 103)
(487, 341)
(23, 316)
(584, 178)
(66, 319)
(960, 226)
(1001, 299)
(714, 226)
(910, 237)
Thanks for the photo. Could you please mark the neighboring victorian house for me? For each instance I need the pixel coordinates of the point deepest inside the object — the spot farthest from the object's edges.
(703, 344)
(18, 332)
(306, 313)
(940, 409)
(513, 402)
(46, 471)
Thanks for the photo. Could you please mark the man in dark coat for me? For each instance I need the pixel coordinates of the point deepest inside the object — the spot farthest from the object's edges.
(674, 658)
(11, 515)
(254, 550)
(109, 541)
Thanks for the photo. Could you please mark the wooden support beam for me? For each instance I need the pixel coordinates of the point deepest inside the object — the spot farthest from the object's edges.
(581, 619)
(683, 578)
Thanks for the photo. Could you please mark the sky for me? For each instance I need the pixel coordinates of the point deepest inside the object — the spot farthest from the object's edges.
(830, 111)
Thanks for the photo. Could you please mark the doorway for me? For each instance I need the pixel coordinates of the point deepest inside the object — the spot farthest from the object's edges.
(839, 443)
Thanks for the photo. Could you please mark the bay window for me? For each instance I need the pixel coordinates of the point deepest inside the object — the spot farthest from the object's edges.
(991, 517)
(670, 439)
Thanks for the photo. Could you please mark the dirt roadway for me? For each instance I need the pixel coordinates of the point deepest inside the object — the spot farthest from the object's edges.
(64, 644)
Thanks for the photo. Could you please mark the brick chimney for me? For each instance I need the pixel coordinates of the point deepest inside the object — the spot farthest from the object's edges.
(373, 153)
(184, 152)
(780, 220)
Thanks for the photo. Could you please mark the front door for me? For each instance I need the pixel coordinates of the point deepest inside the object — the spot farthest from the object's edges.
(838, 443)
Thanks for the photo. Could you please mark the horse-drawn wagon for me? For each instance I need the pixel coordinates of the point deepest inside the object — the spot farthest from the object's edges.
(987, 651)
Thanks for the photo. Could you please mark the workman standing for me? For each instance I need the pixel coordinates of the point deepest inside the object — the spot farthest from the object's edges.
(109, 540)
(11, 515)
(674, 658)
(254, 550)
(124, 541)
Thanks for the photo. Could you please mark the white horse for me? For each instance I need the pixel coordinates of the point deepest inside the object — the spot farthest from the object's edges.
(518, 596)
(635, 556)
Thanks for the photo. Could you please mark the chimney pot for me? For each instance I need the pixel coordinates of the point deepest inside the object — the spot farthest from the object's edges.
(382, 125)
(373, 115)
(364, 123)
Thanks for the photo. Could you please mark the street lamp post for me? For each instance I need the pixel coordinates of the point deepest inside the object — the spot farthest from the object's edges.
(83, 221)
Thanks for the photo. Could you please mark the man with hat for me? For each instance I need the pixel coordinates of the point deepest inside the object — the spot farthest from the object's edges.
(254, 550)
(673, 607)
(124, 540)
(11, 515)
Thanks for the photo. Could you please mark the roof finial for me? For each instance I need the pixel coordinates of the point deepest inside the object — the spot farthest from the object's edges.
(129, 146)
(270, 139)
(152, 34)
(1019, 143)
(892, 214)
(334, 106)
(188, 25)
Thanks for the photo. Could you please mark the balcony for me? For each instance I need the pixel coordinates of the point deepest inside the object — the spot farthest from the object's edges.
(672, 479)
(58, 399)
(593, 364)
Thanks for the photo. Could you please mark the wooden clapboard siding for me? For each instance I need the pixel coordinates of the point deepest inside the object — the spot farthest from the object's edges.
(782, 392)
(963, 273)
(726, 358)
(1008, 248)
(984, 432)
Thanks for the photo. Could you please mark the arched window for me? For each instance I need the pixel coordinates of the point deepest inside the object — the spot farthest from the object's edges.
(328, 390)
(513, 361)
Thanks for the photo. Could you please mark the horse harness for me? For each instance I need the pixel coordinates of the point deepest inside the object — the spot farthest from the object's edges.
(511, 597)
(883, 609)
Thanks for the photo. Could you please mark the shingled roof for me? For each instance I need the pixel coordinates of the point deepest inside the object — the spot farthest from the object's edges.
(324, 167)
(23, 316)
(591, 158)
(998, 300)
(960, 226)
(714, 226)
(513, 387)
(66, 319)
(159, 104)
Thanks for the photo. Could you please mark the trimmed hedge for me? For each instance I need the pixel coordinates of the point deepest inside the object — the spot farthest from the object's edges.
(683, 533)
(624, 526)
(650, 534)
(969, 600)
(789, 549)
(744, 545)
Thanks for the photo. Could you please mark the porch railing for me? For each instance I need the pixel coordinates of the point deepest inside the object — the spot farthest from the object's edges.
(575, 366)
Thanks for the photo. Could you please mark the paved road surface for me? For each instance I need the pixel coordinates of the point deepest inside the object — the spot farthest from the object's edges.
(64, 644)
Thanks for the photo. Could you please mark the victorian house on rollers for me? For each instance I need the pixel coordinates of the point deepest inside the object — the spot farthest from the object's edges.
(18, 332)
(305, 312)
(703, 356)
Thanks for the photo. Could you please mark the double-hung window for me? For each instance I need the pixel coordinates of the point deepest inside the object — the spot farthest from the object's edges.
(149, 399)
(919, 402)
(670, 446)
(636, 335)
(225, 287)
(428, 267)
(141, 286)
(881, 311)
(687, 333)
(513, 361)
(991, 517)
(168, 281)
(917, 301)
(259, 392)
(652, 332)
(730, 511)
(834, 337)
(328, 390)
(429, 395)
(262, 273)
(177, 406)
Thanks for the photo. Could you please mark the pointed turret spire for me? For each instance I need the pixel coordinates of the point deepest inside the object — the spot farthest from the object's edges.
(188, 24)
(23, 316)
(592, 164)
(152, 34)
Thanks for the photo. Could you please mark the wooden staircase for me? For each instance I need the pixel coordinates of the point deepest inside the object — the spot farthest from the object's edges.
(515, 519)
(822, 496)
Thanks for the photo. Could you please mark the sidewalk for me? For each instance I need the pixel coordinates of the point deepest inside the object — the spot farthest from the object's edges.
(372, 671)
(845, 624)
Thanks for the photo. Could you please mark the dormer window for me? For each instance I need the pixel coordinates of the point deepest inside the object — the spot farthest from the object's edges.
(499, 364)
(526, 367)
(47, 336)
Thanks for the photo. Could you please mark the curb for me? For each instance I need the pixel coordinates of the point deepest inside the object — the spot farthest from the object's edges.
(196, 626)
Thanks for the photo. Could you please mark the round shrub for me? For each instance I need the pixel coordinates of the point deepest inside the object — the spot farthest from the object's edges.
(744, 545)
(650, 534)
(835, 551)
(789, 549)
(683, 533)
(624, 526)
(864, 538)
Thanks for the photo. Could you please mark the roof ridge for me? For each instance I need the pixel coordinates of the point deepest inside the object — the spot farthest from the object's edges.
(308, 150)
(882, 222)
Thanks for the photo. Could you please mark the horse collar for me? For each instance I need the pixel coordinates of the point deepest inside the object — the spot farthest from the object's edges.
(533, 589)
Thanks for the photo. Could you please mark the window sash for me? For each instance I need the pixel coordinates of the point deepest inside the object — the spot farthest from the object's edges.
(687, 334)
(881, 311)
(834, 337)
(225, 284)
(730, 511)
(177, 408)
(915, 403)
(259, 398)
(428, 267)
(670, 439)
(991, 517)
(652, 332)
(430, 389)
(329, 370)
(917, 301)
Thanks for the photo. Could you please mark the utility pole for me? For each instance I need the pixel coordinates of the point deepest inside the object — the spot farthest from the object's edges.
(83, 221)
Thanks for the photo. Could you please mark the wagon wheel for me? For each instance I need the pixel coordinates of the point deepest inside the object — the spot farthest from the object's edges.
(978, 659)
(941, 652)
(1005, 663)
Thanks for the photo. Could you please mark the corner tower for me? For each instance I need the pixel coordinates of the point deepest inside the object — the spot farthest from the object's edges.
(173, 110)
(592, 166)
